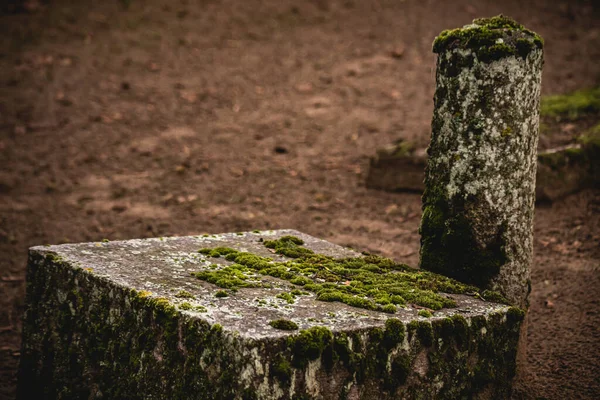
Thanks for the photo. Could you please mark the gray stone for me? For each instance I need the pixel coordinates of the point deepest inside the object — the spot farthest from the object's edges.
(128, 320)
(477, 223)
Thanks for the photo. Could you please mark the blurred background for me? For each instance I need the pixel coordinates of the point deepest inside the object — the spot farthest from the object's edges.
(131, 118)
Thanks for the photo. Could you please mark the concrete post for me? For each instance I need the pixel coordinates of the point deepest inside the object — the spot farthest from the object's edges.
(479, 194)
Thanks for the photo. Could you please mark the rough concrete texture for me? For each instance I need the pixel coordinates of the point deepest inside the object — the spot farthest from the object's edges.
(128, 320)
(480, 177)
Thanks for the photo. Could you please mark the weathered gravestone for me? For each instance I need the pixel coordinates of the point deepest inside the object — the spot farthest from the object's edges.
(274, 314)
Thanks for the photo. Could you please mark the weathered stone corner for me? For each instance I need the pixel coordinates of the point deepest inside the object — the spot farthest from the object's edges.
(140, 319)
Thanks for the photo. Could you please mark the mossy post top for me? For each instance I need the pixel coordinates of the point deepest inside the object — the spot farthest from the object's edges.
(490, 38)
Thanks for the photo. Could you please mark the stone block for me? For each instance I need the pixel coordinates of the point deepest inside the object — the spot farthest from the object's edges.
(139, 319)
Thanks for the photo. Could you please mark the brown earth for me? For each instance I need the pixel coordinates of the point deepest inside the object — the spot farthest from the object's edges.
(183, 117)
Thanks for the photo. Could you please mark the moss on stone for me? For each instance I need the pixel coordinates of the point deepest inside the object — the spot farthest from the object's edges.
(490, 39)
(117, 342)
(591, 137)
(184, 294)
(425, 313)
(369, 282)
(108, 341)
(282, 369)
(221, 293)
(394, 333)
(496, 297)
(289, 298)
(389, 308)
(571, 106)
(515, 315)
(400, 149)
(309, 344)
(449, 245)
(423, 331)
(289, 246)
(284, 324)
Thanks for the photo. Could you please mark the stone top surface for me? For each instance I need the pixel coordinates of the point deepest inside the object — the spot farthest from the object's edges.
(490, 38)
(162, 267)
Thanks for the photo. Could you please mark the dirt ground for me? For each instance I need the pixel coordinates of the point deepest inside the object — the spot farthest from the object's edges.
(174, 117)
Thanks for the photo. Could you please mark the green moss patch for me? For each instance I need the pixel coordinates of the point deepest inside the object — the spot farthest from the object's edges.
(449, 245)
(490, 39)
(370, 282)
(184, 294)
(571, 106)
(284, 325)
(584, 155)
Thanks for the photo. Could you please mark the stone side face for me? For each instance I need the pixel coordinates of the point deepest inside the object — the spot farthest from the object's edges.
(397, 170)
(85, 336)
(480, 178)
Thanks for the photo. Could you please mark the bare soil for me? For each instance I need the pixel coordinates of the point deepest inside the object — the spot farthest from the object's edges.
(181, 117)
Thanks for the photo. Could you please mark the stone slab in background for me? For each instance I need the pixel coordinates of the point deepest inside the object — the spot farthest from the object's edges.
(400, 167)
(127, 320)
